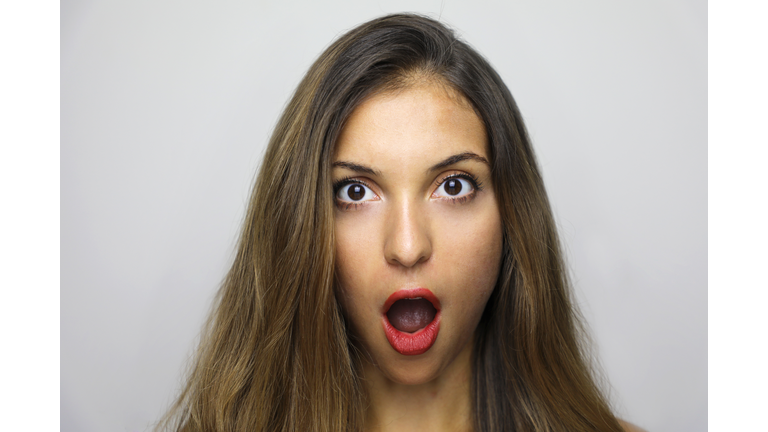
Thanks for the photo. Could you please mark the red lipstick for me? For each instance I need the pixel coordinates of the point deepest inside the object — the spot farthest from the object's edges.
(419, 341)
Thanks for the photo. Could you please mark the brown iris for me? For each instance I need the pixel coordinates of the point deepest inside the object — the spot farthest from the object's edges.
(356, 192)
(453, 187)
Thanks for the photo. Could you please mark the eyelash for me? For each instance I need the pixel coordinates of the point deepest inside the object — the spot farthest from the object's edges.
(477, 186)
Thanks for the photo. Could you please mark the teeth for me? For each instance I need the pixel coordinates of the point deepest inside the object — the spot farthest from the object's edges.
(415, 298)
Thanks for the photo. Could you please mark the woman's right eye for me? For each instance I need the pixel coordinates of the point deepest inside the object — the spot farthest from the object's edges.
(354, 193)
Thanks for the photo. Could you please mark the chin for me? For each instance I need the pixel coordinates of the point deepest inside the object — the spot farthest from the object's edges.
(410, 370)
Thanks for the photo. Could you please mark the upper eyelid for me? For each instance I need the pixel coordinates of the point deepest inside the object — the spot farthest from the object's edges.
(338, 184)
(440, 180)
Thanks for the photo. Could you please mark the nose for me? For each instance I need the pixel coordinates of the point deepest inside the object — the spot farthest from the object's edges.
(408, 240)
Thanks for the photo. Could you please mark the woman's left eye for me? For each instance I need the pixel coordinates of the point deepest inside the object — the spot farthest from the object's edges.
(454, 187)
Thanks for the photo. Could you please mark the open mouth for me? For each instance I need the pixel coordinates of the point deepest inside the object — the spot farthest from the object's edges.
(411, 320)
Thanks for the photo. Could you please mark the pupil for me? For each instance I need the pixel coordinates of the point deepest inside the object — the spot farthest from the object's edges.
(356, 192)
(453, 187)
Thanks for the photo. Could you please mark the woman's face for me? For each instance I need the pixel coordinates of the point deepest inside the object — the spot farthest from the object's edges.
(418, 230)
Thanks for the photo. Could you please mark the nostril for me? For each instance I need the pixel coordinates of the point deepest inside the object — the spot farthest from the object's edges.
(409, 255)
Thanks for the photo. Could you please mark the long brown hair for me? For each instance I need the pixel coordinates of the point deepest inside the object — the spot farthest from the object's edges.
(276, 356)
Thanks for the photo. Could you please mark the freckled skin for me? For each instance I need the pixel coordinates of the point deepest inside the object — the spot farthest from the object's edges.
(411, 235)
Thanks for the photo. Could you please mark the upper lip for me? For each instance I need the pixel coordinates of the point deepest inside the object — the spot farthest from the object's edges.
(411, 293)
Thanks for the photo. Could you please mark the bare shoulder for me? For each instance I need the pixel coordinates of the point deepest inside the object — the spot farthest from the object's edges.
(629, 427)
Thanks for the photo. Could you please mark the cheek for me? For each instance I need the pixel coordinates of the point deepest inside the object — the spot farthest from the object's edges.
(353, 253)
(474, 258)
(354, 264)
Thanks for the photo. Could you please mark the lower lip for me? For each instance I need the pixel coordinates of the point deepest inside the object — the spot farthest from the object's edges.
(419, 341)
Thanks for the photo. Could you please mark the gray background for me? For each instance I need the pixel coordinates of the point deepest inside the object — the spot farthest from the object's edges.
(166, 107)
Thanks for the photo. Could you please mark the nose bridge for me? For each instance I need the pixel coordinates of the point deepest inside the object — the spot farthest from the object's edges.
(408, 240)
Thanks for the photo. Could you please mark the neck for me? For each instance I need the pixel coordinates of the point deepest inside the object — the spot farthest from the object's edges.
(442, 404)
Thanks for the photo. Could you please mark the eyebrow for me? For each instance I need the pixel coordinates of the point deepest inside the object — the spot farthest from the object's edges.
(357, 168)
(440, 165)
(459, 158)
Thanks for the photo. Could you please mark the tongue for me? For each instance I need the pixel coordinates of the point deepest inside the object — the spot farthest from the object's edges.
(409, 315)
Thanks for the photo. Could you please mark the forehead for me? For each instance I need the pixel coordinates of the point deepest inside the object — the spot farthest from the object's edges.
(411, 127)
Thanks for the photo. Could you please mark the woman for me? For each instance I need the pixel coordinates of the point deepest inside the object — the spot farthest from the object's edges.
(399, 267)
